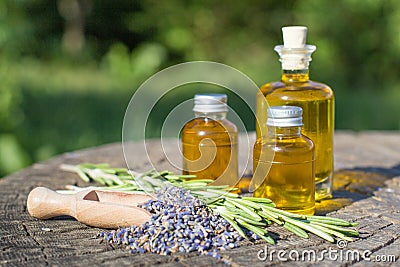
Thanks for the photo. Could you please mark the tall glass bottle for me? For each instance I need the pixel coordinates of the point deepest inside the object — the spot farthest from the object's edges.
(316, 99)
(210, 141)
(287, 178)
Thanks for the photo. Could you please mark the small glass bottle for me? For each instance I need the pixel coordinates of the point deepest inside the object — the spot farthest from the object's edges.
(287, 178)
(316, 99)
(210, 141)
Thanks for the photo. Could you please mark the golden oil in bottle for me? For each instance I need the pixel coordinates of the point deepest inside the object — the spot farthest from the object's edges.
(287, 178)
(316, 100)
(210, 141)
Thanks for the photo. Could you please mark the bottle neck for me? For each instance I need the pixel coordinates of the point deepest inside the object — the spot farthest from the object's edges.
(284, 132)
(211, 115)
(291, 76)
(295, 62)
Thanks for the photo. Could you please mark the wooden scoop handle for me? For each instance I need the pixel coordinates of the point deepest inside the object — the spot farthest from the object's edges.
(44, 203)
(98, 209)
(107, 215)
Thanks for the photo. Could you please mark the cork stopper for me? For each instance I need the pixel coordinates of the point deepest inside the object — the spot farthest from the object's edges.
(295, 54)
(294, 36)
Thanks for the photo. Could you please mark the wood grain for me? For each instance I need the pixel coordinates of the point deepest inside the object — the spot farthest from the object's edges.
(367, 191)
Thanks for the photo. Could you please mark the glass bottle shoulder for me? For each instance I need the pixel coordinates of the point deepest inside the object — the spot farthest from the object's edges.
(222, 132)
(307, 90)
(293, 145)
(206, 126)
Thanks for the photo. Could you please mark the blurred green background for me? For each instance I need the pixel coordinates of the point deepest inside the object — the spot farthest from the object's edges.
(69, 67)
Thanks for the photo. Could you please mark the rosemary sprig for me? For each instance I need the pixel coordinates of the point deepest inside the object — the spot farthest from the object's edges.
(251, 213)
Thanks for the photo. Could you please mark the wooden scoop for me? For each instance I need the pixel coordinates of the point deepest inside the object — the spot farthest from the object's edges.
(98, 208)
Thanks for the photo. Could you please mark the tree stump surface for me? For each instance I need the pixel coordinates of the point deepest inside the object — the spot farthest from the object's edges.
(367, 191)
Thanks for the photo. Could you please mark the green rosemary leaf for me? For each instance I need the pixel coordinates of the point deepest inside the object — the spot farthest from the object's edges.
(296, 230)
(198, 181)
(144, 185)
(248, 203)
(121, 170)
(271, 205)
(268, 239)
(234, 224)
(333, 232)
(247, 210)
(347, 231)
(206, 194)
(195, 184)
(228, 204)
(262, 233)
(288, 214)
(109, 171)
(109, 182)
(213, 202)
(270, 216)
(125, 177)
(243, 214)
(118, 181)
(329, 220)
(308, 227)
(162, 173)
(251, 221)
(258, 199)
(100, 180)
(82, 174)
(224, 193)
(172, 177)
(222, 188)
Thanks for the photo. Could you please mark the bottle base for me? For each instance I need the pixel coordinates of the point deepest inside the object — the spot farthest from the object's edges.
(243, 185)
(307, 211)
(323, 190)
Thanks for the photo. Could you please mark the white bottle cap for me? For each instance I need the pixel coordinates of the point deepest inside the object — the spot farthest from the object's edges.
(285, 116)
(206, 103)
(294, 36)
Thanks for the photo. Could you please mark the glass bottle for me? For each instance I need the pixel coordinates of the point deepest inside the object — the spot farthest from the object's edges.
(316, 99)
(288, 177)
(210, 141)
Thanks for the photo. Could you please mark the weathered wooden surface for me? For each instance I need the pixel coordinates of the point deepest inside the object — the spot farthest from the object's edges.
(367, 180)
